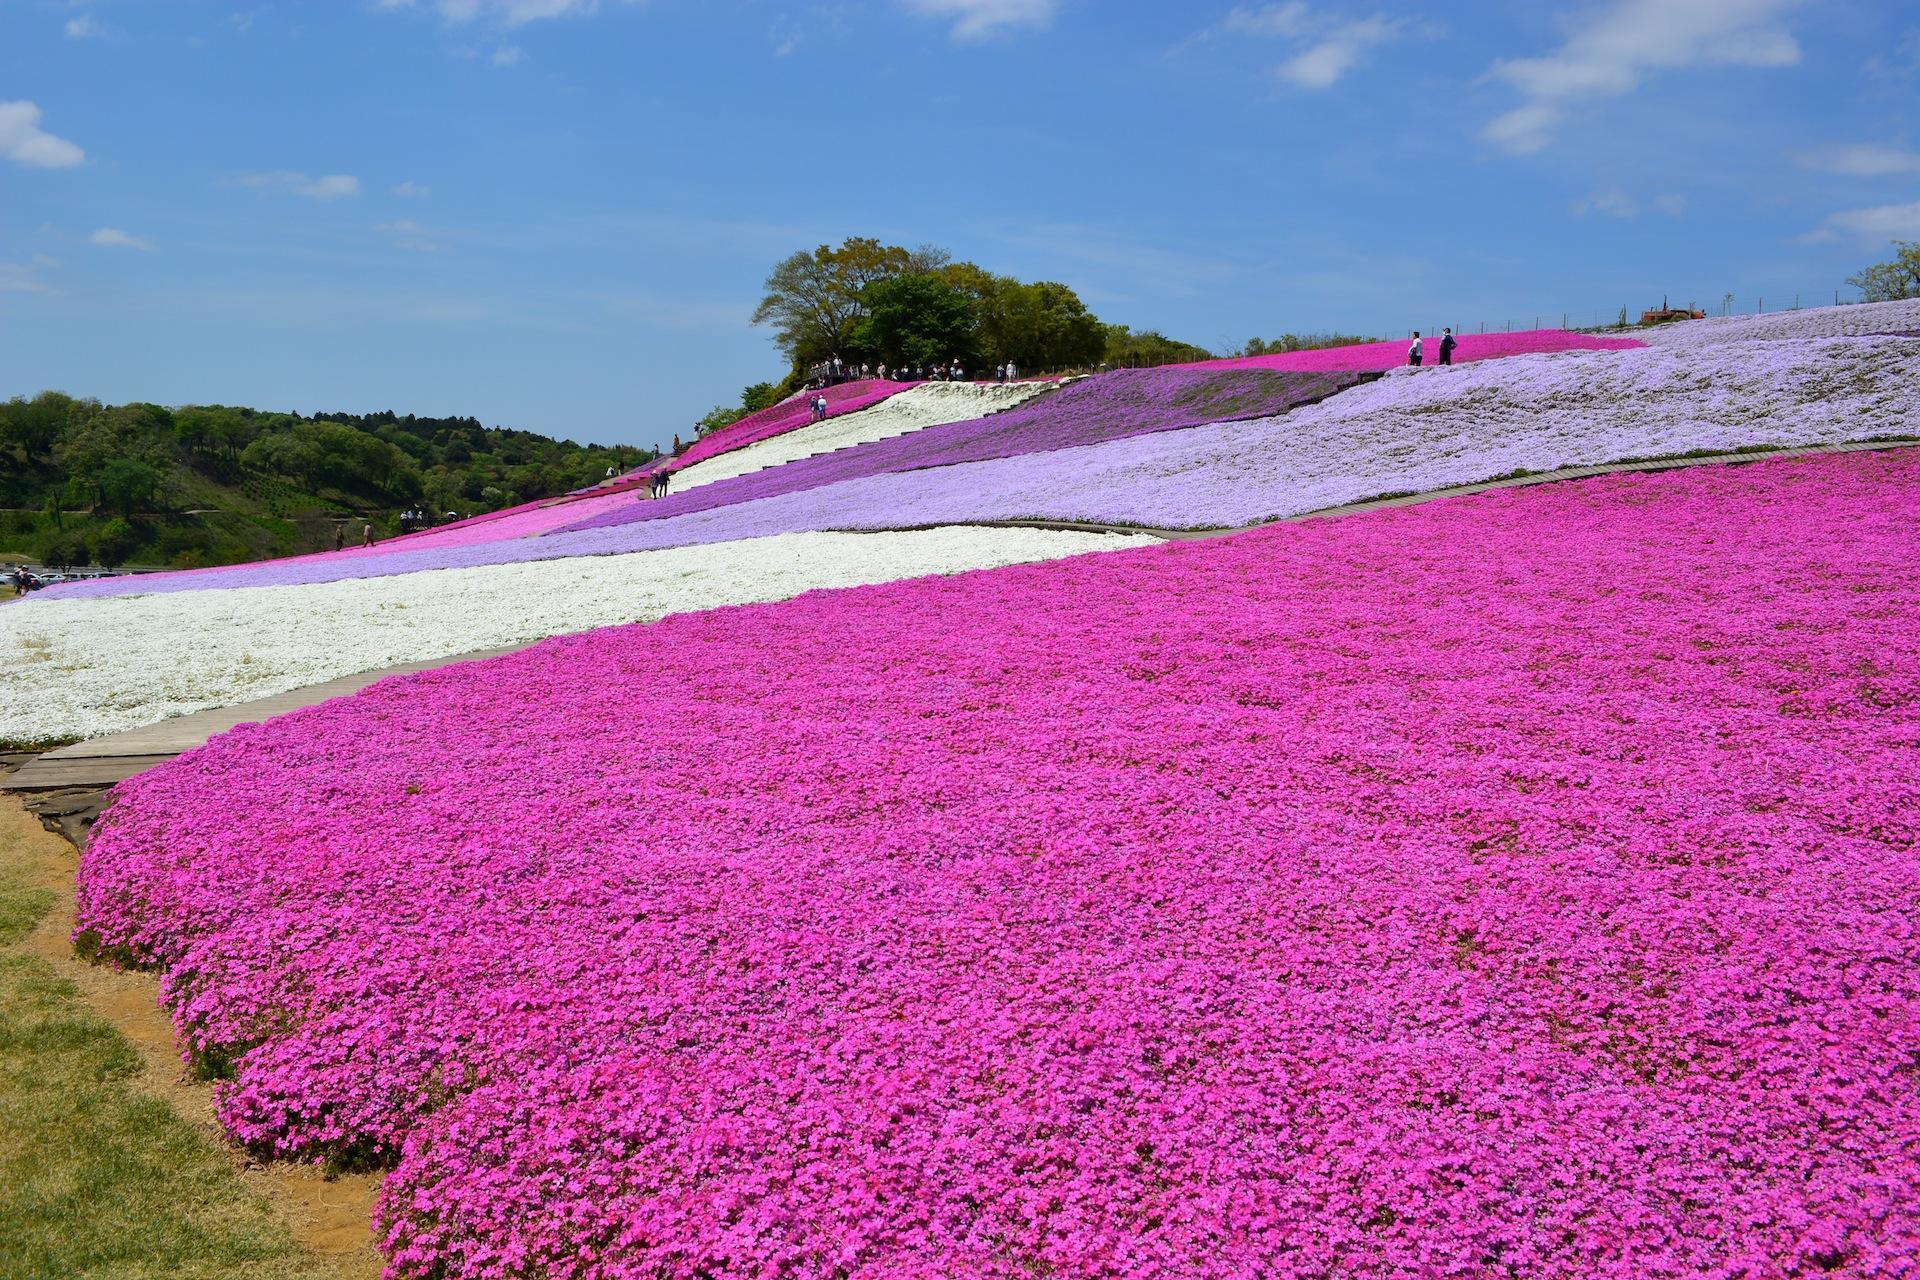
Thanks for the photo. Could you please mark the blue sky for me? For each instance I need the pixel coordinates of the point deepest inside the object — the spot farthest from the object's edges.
(556, 214)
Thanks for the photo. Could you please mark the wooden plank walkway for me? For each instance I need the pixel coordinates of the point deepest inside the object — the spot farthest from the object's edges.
(103, 761)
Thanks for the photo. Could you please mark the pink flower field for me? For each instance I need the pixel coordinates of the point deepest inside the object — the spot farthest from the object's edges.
(1391, 355)
(1514, 886)
(789, 414)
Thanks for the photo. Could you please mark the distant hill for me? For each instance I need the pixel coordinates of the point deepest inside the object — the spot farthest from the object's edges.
(144, 485)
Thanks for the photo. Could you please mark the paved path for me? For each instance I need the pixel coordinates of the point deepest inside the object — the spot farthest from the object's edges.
(103, 761)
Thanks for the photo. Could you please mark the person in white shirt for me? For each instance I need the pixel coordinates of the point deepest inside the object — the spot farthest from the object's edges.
(1414, 352)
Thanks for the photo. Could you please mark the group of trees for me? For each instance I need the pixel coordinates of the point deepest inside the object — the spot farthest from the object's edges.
(1891, 281)
(873, 303)
(754, 397)
(1287, 342)
(80, 480)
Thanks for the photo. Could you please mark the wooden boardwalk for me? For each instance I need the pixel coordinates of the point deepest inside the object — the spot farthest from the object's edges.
(100, 762)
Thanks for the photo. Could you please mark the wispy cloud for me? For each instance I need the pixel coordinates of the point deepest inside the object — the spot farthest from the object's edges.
(978, 19)
(1881, 222)
(659, 311)
(25, 277)
(330, 186)
(1612, 202)
(24, 142)
(509, 13)
(411, 190)
(84, 27)
(1615, 46)
(114, 238)
(507, 55)
(1324, 46)
(1861, 160)
(407, 234)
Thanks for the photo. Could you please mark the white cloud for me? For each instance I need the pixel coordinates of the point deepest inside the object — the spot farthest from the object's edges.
(978, 19)
(1616, 45)
(1327, 46)
(511, 13)
(1861, 160)
(331, 186)
(1612, 202)
(1290, 19)
(24, 142)
(1882, 222)
(411, 190)
(408, 234)
(17, 277)
(507, 55)
(114, 238)
(84, 27)
(1320, 65)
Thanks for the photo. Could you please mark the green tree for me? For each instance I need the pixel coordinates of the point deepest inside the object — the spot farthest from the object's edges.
(1127, 349)
(719, 416)
(99, 445)
(1042, 326)
(128, 485)
(758, 396)
(113, 541)
(33, 426)
(816, 300)
(1891, 281)
(917, 320)
(1300, 342)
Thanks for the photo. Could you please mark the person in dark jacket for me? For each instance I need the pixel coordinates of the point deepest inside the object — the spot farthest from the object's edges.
(1447, 344)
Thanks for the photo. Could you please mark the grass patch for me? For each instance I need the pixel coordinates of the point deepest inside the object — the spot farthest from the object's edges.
(22, 746)
(97, 1179)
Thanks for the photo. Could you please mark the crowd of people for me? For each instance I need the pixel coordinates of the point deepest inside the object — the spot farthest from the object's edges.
(24, 579)
(828, 373)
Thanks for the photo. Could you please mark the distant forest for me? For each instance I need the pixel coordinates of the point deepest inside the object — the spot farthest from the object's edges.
(82, 482)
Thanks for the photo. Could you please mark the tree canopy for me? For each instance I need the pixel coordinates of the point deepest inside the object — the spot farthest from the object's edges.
(873, 303)
(205, 484)
(1893, 280)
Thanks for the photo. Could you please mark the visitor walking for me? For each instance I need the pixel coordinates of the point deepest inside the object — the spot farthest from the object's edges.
(1447, 344)
(1415, 351)
(366, 535)
(339, 537)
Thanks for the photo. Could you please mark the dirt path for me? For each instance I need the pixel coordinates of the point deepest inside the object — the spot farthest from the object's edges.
(331, 1217)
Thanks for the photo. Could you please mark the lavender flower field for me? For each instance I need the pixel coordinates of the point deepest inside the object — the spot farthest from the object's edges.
(1126, 402)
